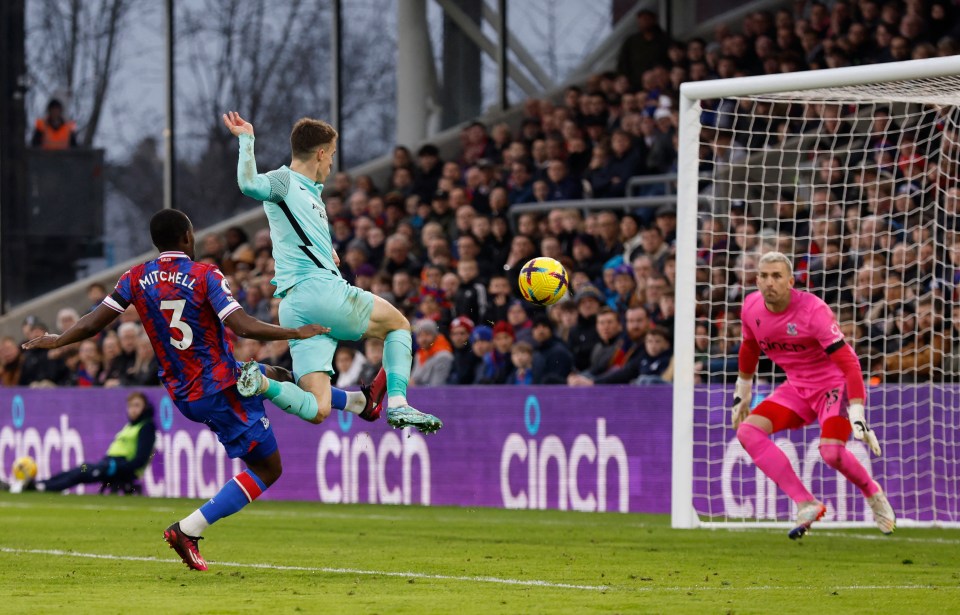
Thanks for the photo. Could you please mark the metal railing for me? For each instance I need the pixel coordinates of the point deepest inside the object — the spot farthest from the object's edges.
(631, 203)
(636, 183)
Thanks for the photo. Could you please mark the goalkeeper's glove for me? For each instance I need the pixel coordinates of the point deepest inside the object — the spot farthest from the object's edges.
(742, 395)
(860, 430)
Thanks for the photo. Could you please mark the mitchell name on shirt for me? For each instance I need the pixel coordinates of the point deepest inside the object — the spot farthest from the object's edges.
(173, 277)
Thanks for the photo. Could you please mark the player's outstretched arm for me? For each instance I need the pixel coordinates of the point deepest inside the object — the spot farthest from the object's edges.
(251, 183)
(88, 326)
(236, 124)
(245, 325)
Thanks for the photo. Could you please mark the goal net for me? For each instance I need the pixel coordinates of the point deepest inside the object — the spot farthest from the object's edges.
(854, 174)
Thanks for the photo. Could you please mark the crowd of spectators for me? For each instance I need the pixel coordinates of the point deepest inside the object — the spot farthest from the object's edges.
(436, 239)
(871, 226)
(120, 356)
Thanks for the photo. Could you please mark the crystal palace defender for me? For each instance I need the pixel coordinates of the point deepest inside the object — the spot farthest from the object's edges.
(183, 306)
(799, 332)
(310, 285)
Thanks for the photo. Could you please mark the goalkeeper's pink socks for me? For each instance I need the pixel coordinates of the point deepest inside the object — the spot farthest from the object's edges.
(775, 464)
(772, 461)
(838, 457)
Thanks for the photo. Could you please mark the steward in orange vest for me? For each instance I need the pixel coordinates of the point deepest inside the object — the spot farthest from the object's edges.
(53, 132)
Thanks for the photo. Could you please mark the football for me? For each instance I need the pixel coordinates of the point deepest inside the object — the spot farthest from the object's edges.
(24, 469)
(543, 281)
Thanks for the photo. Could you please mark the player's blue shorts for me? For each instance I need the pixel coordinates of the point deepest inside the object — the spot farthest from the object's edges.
(330, 301)
(241, 423)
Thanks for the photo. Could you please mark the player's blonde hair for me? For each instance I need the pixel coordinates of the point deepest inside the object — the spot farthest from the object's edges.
(776, 257)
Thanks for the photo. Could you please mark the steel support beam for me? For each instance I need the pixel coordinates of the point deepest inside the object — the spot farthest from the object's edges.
(416, 73)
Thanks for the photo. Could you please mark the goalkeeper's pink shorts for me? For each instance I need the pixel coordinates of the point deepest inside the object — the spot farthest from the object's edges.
(792, 407)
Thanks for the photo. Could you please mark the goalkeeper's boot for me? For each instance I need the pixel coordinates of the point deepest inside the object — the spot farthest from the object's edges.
(250, 381)
(882, 512)
(407, 416)
(185, 546)
(808, 513)
(374, 395)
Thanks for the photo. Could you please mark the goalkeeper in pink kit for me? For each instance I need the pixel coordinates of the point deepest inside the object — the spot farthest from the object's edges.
(799, 332)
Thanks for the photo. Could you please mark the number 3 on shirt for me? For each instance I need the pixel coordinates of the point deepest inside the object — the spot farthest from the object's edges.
(176, 323)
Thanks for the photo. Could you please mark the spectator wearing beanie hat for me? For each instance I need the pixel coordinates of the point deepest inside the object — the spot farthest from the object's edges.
(428, 171)
(464, 328)
(551, 355)
(363, 276)
(465, 362)
(624, 285)
(585, 255)
(605, 283)
(434, 357)
(583, 335)
(496, 363)
(481, 342)
(503, 328)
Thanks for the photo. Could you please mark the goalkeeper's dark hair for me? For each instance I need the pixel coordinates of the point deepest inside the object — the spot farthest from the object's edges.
(308, 134)
(167, 229)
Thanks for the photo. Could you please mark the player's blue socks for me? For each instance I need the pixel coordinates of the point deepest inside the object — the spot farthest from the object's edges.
(294, 400)
(397, 358)
(239, 491)
(338, 398)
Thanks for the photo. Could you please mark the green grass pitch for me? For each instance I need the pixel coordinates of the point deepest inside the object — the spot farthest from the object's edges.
(105, 554)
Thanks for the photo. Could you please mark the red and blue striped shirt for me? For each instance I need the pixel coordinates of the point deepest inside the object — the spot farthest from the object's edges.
(182, 305)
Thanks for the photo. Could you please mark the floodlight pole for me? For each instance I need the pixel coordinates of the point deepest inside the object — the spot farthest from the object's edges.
(13, 166)
(336, 81)
(169, 131)
(502, 48)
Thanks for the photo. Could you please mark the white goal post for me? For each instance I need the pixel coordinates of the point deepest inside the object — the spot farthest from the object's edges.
(855, 173)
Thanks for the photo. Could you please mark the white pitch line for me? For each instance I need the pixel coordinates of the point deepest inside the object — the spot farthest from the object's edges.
(497, 580)
(438, 518)
(893, 538)
(378, 573)
(354, 515)
(795, 587)
(73, 506)
(896, 537)
(316, 514)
